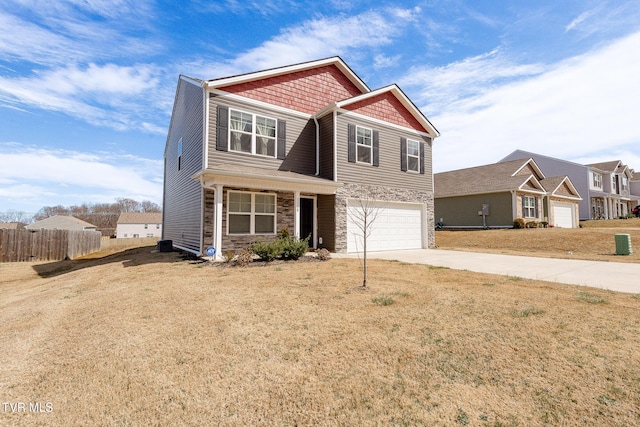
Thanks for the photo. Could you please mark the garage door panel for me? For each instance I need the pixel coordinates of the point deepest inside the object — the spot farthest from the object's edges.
(563, 216)
(396, 226)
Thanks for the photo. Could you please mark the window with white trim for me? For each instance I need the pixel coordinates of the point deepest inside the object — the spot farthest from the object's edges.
(364, 144)
(614, 184)
(413, 156)
(251, 213)
(597, 180)
(528, 207)
(625, 183)
(252, 134)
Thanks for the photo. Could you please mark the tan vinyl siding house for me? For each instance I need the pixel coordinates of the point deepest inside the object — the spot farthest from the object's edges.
(273, 149)
(139, 224)
(493, 196)
(61, 222)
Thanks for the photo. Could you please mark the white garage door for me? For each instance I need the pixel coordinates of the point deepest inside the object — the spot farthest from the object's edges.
(396, 226)
(563, 216)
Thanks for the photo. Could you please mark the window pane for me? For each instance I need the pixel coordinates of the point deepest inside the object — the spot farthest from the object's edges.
(265, 203)
(363, 136)
(413, 164)
(413, 148)
(364, 154)
(265, 146)
(239, 224)
(265, 127)
(239, 202)
(264, 224)
(240, 142)
(241, 121)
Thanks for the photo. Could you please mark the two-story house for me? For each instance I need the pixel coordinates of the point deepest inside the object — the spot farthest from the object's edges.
(296, 147)
(139, 224)
(605, 187)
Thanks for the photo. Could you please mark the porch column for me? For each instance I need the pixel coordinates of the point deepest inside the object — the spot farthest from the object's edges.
(296, 209)
(217, 223)
(606, 208)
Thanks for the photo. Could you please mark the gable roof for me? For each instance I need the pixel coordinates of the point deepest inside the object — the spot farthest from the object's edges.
(140, 218)
(606, 166)
(61, 222)
(12, 225)
(555, 184)
(278, 71)
(398, 94)
(493, 178)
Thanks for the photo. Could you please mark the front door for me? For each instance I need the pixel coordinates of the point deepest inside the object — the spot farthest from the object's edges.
(306, 219)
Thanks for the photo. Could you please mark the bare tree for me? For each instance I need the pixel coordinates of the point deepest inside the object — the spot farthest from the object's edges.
(363, 217)
(149, 206)
(15, 216)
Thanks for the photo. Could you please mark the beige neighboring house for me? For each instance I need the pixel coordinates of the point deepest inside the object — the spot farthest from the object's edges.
(139, 224)
(61, 222)
(12, 225)
(493, 196)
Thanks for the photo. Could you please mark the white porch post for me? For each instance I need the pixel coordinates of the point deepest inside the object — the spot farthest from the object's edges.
(296, 209)
(606, 208)
(217, 224)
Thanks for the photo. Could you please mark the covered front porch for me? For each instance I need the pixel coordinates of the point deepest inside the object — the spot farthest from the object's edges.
(242, 205)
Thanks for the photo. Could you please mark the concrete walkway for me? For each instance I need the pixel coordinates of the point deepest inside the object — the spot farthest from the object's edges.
(615, 276)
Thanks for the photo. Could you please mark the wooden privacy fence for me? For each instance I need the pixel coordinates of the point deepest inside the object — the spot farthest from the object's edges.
(46, 245)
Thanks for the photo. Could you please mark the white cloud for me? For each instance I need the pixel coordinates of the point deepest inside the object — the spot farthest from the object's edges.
(53, 177)
(577, 108)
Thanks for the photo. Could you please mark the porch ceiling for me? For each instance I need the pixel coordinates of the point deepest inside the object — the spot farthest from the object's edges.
(264, 179)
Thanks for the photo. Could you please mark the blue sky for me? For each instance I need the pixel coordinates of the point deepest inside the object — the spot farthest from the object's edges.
(87, 86)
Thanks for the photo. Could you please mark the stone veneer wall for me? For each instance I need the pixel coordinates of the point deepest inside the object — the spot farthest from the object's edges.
(285, 217)
(383, 194)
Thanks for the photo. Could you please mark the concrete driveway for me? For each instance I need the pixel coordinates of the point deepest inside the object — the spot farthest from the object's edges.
(615, 276)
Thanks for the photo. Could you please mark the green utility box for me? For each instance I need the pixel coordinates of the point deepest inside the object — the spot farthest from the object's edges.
(623, 244)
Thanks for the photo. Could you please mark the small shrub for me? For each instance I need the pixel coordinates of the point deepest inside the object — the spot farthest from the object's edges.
(323, 254)
(518, 223)
(228, 256)
(293, 248)
(244, 258)
(532, 224)
(267, 251)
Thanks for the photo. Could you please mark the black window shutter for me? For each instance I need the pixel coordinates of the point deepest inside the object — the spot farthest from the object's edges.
(522, 199)
(422, 158)
(222, 129)
(403, 154)
(536, 214)
(282, 139)
(376, 148)
(351, 146)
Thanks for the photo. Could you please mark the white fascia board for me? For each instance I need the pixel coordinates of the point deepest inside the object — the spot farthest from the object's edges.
(274, 72)
(259, 104)
(531, 162)
(212, 177)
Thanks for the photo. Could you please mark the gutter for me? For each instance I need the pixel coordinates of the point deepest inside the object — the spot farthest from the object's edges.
(315, 120)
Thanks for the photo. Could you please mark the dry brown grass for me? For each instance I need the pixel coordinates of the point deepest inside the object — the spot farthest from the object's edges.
(143, 338)
(593, 242)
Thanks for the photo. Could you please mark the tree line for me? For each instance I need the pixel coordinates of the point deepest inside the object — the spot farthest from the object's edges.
(103, 215)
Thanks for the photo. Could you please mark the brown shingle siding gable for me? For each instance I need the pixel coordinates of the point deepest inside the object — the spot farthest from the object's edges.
(388, 108)
(307, 91)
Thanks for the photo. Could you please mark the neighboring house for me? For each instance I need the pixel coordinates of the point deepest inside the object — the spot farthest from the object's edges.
(139, 224)
(605, 187)
(61, 222)
(294, 148)
(495, 195)
(12, 225)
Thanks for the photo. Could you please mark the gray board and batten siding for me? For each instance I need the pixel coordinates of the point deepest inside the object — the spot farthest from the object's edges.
(388, 170)
(183, 196)
(299, 139)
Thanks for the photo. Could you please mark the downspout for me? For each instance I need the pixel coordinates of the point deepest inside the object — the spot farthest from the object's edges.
(315, 120)
(335, 146)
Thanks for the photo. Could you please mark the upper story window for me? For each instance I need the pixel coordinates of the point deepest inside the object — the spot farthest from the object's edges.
(251, 213)
(251, 133)
(614, 183)
(364, 144)
(413, 156)
(597, 180)
(146, 226)
(625, 183)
